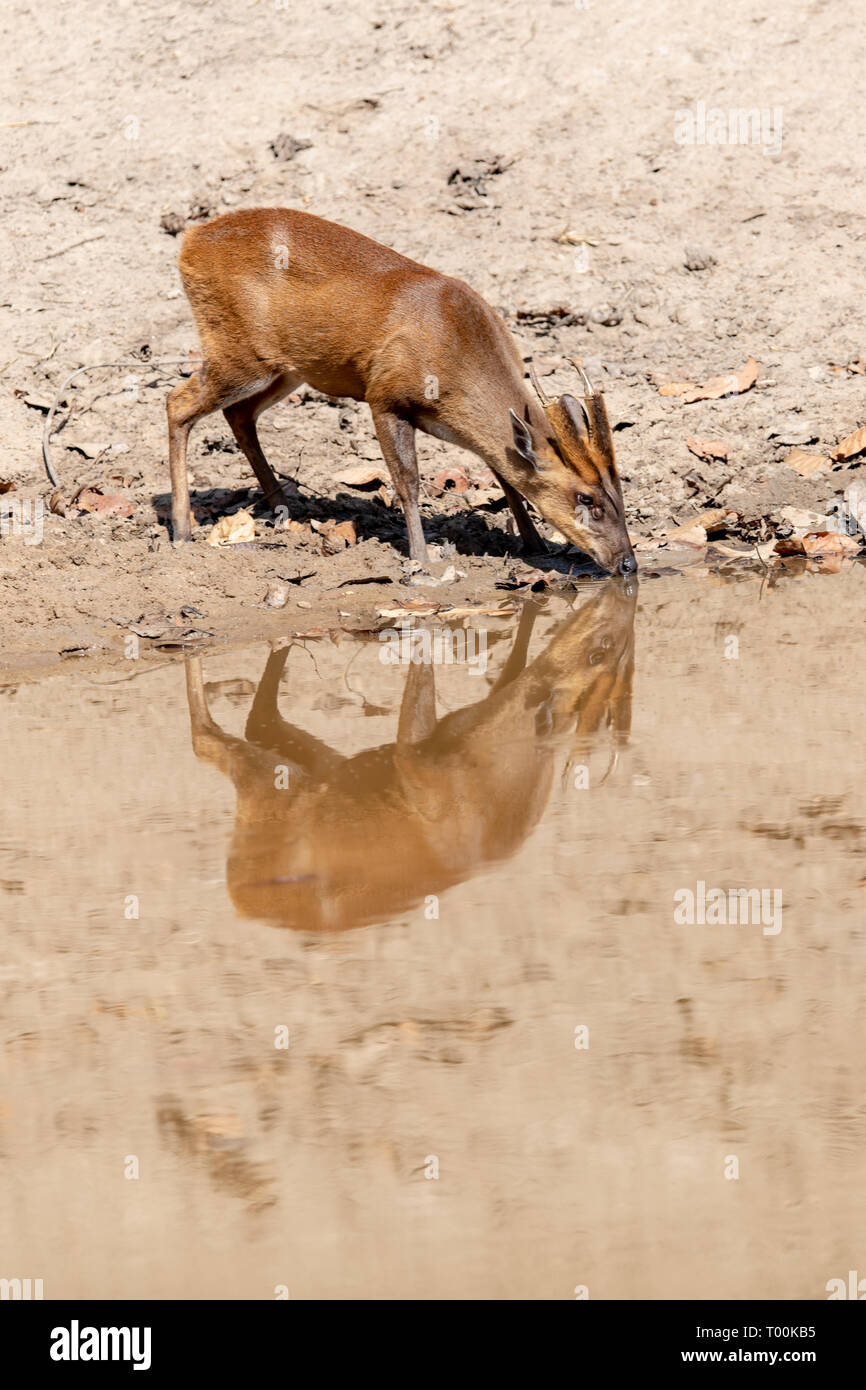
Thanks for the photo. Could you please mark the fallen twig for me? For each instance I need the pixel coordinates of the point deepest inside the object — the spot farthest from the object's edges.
(62, 252)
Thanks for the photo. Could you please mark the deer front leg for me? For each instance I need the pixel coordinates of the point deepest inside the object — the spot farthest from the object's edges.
(516, 660)
(242, 417)
(266, 728)
(209, 741)
(397, 441)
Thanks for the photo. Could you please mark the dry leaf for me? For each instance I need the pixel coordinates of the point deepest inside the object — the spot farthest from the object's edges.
(411, 608)
(819, 544)
(455, 475)
(734, 384)
(691, 535)
(521, 578)
(363, 474)
(6, 486)
(478, 610)
(857, 367)
(714, 519)
(484, 496)
(676, 388)
(346, 530)
(738, 552)
(233, 530)
(568, 237)
(707, 448)
(57, 503)
(854, 444)
(830, 543)
(805, 463)
(336, 536)
(89, 500)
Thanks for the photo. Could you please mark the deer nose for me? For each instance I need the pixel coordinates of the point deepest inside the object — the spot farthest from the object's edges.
(627, 565)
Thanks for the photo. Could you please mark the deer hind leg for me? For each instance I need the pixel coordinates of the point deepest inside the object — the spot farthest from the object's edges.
(188, 402)
(242, 416)
(397, 441)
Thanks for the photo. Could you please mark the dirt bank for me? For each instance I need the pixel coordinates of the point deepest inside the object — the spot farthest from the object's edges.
(566, 162)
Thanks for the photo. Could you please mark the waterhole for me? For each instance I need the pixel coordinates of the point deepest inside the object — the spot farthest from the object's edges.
(521, 965)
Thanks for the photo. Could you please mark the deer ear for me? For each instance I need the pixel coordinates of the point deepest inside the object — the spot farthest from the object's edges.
(522, 439)
(575, 412)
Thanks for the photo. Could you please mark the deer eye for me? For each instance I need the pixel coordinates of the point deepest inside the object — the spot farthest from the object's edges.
(584, 499)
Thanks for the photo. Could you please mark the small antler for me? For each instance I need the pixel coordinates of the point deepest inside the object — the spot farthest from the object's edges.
(538, 391)
(576, 362)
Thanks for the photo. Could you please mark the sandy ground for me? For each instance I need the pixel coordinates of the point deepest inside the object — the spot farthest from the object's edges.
(541, 153)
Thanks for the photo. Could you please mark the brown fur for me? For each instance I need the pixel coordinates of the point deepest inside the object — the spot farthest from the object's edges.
(281, 297)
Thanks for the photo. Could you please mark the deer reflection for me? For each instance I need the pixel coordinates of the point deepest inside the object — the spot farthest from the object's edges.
(336, 842)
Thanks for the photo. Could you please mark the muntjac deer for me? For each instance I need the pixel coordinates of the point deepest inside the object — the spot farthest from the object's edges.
(354, 840)
(281, 297)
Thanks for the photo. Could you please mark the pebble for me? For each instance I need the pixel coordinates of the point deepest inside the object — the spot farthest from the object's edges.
(277, 595)
(699, 258)
(802, 433)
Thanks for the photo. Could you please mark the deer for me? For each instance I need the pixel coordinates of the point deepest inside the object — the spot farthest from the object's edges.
(328, 843)
(282, 298)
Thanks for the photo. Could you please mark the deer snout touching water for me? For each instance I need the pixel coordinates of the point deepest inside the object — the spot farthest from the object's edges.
(281, 297)
(353, 840)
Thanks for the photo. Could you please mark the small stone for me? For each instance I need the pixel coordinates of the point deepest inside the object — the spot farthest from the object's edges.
(802, 521)
(606, 314)
(699, 258)
(285, 147)
(802, 433)
(172, 222)
(277, 595)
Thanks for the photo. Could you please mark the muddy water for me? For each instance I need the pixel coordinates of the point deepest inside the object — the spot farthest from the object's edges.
(457, 893)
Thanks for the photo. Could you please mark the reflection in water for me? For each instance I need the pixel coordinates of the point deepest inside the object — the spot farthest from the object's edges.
(326, 842)
(283, 1092)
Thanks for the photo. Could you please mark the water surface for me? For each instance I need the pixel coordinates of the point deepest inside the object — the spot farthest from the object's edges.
(510, 1070)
